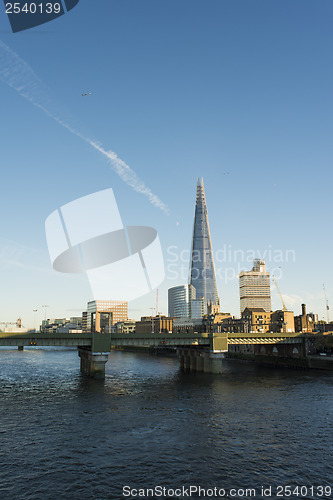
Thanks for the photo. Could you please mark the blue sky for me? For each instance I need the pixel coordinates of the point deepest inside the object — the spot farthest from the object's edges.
(238, 92)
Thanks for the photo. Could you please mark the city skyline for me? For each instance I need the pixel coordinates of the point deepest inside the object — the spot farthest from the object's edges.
(246, 104)
(226, 254)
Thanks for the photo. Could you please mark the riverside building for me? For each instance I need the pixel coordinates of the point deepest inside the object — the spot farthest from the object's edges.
(102, 314)
(254, 287)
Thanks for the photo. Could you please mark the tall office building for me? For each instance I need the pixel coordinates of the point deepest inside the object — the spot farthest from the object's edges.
(197, 308)
(202, 263)
(179, 301)
(254, 287)
(102, 314)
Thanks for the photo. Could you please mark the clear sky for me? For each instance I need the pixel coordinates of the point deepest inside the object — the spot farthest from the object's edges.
(238, 92)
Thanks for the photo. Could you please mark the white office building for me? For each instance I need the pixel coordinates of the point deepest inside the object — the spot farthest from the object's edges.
(102, 314)
(254, 287)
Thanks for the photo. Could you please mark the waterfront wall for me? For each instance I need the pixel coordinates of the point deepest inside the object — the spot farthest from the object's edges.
(299, 363)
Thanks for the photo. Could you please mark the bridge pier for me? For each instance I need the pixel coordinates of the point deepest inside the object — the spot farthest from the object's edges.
(20, 347)
(213, 362)
(193, 362)
(196, 360)
(200, 363)
(93, 363)
(181, 362)
(187, 363)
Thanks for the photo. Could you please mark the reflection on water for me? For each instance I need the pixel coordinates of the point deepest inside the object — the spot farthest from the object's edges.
(64, 436)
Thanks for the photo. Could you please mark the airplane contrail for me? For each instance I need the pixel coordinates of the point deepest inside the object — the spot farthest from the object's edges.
(17, 74)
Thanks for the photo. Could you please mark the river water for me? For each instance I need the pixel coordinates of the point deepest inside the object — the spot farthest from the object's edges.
(64, 436)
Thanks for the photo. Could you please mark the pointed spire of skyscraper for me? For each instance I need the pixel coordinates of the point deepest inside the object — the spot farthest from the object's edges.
(202, 263)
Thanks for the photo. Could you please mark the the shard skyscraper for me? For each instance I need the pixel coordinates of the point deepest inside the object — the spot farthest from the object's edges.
(202, 263)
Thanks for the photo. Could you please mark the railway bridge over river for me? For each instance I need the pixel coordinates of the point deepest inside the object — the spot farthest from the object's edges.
(197, 352)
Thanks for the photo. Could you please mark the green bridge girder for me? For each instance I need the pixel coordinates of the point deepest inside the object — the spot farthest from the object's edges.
(213, 341)
(101, 342)
(97, 342)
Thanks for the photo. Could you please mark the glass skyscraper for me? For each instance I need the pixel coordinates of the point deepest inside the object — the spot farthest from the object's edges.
(179, 301)
(202, 263)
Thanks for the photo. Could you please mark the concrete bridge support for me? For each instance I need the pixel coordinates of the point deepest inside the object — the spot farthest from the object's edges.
(93, 363)
(193, 362)
(196, 360)
(186, 362)
(213, 362)
(200, 363)
(181, 362)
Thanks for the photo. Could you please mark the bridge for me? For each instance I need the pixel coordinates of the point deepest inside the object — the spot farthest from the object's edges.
(196, 351)
(93, 348)
(205, 351)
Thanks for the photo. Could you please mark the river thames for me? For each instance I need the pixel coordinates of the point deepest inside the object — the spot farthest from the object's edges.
(148, 427)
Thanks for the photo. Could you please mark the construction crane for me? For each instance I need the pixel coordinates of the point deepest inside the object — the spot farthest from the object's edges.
(327, 306)
(283, 304)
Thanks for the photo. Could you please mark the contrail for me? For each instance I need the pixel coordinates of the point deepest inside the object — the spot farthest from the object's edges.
(20, 76)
